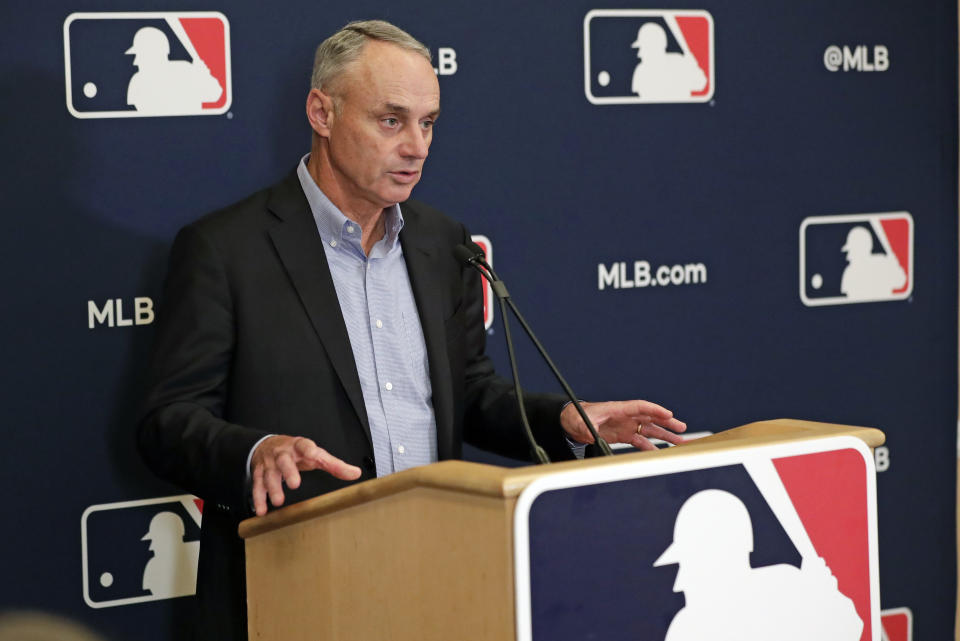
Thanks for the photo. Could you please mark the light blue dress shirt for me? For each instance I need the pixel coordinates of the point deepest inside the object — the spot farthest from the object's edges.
(385, 333)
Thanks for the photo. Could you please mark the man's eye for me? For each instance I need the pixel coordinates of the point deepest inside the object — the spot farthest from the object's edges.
(391, 122)
(427, 124)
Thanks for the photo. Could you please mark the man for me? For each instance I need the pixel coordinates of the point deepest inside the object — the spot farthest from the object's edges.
(319, 333)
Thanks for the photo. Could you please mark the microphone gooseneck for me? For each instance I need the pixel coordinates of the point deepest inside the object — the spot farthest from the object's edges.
(473, 255)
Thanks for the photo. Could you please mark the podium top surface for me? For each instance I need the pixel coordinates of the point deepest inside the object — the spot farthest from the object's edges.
(507, 483)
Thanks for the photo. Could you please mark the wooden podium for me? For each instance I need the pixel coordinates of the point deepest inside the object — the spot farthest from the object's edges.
(428, 553)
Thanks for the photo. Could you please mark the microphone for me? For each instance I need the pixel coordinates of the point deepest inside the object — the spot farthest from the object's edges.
(469, 255)
(472, 254)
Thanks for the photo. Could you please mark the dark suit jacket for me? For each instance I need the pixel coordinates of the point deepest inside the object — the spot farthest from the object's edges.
(251, 341)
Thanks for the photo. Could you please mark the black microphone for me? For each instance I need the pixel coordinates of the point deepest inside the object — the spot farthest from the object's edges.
(469, 255)
(473, 254)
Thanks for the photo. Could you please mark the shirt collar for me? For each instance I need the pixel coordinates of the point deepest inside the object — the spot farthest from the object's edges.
(332, 223)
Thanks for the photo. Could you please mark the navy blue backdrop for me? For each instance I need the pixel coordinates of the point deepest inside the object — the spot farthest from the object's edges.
(566, 190)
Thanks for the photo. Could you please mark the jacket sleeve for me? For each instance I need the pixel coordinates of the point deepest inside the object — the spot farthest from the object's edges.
(182, 435)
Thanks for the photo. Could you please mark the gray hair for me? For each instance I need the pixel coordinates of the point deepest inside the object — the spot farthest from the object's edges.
(343, 47)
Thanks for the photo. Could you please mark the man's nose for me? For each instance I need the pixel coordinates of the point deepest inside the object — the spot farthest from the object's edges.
(416, 144)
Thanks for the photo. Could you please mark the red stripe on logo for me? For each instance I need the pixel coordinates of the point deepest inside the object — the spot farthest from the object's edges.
(207, 37)
(898, 233)
(696, 31)
(838, 528)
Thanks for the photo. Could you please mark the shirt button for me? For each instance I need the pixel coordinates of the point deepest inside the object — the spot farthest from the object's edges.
(389, 386)
(349, 229)
(333, 243)
(401, 449)
(379, 324)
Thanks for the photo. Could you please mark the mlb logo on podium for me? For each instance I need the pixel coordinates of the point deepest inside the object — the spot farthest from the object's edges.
(856, 258)
(757, 543)
(638, 56)
(138, 64)
(137, 551)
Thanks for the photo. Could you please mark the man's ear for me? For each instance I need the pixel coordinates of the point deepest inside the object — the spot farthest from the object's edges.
(320, 112)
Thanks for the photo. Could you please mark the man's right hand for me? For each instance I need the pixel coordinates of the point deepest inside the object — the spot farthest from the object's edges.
(279, 459)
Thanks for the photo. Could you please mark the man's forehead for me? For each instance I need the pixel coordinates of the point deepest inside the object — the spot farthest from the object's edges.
(386, 75)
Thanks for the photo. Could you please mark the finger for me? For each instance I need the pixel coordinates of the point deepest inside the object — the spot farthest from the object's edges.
(307, 454)
(259, 492)
(673, 425)
(642, 443)
(306, 448)
(337, 468)
(652, 430)
(288, 469)
(274, 482)
(638, 409)
(315, 457)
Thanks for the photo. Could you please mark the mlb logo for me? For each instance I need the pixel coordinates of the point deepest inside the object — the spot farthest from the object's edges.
(641, 56)
(487, 248)
(769, 542)
(137, 64)
(137, 551)
(897, 624)
(858, 258)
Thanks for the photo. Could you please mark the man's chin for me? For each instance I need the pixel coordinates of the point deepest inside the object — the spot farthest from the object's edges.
(398, 194)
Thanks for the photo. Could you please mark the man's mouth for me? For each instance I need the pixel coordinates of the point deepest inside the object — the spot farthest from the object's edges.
(405, 175)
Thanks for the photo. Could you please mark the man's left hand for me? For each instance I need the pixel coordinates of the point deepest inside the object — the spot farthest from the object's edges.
(633, 422)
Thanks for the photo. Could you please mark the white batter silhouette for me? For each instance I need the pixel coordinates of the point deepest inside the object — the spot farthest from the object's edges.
(172, 571)
(661, 75)
(167, 87)
(727, 600)
(869, 276)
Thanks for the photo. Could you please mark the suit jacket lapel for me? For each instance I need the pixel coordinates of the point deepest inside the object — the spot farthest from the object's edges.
(298, 243)
(420, 255)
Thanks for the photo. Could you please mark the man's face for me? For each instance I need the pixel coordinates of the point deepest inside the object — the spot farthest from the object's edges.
(380, 132)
